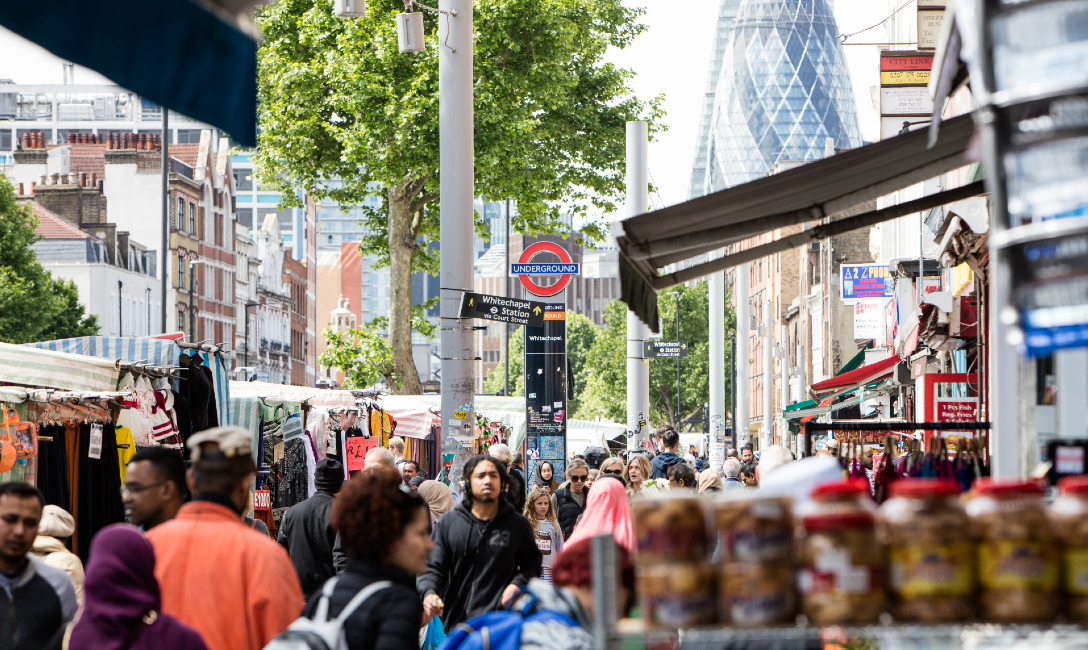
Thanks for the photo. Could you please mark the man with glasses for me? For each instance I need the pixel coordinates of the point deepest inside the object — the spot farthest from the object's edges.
(570, 500)
(154, 488)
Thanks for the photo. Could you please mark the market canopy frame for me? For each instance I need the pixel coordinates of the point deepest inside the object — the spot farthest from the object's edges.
(823, 188)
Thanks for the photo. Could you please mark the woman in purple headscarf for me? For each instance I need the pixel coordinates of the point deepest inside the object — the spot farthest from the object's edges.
(121, 611)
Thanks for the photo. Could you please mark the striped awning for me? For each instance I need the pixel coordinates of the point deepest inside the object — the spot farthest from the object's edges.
(157, 352)
(32, 366)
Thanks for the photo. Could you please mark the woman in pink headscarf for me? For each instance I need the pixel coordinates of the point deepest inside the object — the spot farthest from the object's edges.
(607, 511)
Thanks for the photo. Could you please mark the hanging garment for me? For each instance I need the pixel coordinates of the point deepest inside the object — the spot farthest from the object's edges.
(198, 390)
(164, 432)
(53, 466)
(99, 484)
(126, 449)
(136, 416)
(72, 447)
(213, 405)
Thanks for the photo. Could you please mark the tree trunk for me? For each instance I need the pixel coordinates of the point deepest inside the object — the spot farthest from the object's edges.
(402, 248)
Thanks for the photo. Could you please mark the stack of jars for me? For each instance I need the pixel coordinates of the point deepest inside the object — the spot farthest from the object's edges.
(672, 574)
(755, 562)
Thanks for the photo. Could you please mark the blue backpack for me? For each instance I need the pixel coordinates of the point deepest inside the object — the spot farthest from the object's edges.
(500, 630)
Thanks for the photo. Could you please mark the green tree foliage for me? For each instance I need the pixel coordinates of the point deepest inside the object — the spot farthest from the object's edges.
(581, 334)
(338, 101)
(364, 354)
(605, 393)
(34, 306)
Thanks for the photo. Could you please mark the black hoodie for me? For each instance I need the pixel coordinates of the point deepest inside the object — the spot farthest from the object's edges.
(662, 463)
(473, 561)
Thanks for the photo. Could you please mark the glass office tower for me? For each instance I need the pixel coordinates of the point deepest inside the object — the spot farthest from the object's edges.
(784, 89)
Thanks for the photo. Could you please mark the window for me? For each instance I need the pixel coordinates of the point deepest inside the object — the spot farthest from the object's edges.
(243, 180)
(192, 218)
(5, 139)
(181, 271)
(181, 320)
(245, 218)
(179, 217)
(188, 136)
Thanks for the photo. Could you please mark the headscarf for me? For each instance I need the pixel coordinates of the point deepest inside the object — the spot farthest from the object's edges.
(120, 590)
(553, 485)
(608, 511)
(438, 496)
(708, 478)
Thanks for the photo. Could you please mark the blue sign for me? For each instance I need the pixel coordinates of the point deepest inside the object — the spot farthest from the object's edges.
(866, 282)
(544, 269)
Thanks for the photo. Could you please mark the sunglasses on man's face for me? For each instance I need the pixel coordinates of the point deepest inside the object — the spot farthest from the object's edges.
(578, 479)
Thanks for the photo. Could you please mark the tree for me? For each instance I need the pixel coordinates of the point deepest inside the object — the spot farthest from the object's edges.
(581, 333)
(34, 306)
(338, 102)
(364, 354)
(606, 366)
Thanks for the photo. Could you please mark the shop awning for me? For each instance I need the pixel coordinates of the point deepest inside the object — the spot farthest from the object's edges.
(175, 53)
(28, 366)
(823, 188)
(855, 378)
(857, 360)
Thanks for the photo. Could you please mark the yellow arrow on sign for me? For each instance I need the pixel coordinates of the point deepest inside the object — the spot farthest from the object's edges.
(536, 310)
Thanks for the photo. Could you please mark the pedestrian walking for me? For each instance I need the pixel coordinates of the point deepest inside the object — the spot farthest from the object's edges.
(638, 470)
(612, 467)
(57, 525)
(570, 501)
(253, 522)
(41, 600)
(709, 481)
(772, 460)
(545, 477)
(484, 551)
(396, 447)
(233, 585)
(385, 532)
(549, 536)
(515, 486)
(731, 469)
(608, 511)
(670, 440)
(379, 456)
(409, 469)
(748, 474)
(439, 498)
(681, 476)
(306, 533)
(593, 471)
(155, 487)
(124, 607)
(746, 453)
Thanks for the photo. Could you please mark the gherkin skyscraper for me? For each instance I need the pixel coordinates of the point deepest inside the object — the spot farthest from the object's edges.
(783, 90)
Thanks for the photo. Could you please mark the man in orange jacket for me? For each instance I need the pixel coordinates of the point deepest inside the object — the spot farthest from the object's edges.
(233, 585)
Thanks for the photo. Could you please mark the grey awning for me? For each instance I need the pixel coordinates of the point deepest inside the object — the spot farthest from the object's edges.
(823, 188)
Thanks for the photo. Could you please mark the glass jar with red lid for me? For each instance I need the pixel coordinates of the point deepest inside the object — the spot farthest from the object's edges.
(1017, 552)
(931, 576)
(1069, 517)
(841, 565)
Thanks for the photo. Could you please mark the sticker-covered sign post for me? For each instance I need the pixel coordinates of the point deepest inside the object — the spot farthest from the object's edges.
(546, 359)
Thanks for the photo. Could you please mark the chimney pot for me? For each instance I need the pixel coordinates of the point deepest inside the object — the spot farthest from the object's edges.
(101, 186)
(44, 180)
(73, 178)
(32, 186)
(94, 179)
(83, 179)
(26, 141)
(109, 141)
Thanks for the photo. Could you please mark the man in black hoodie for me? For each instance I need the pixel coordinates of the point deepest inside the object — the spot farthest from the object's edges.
(483, 550)
(670, 440)
(305, 531)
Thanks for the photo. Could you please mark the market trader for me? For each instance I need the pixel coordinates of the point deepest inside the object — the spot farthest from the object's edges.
(154, 488)
(484, 551)
(232, 584)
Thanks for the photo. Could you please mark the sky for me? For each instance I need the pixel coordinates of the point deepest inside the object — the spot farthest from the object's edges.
(669, 58)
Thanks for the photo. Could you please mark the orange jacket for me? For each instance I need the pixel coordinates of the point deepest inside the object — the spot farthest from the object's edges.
(233, 585)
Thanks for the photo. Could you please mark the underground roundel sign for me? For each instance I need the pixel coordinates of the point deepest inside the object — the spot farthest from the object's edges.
(526, 267)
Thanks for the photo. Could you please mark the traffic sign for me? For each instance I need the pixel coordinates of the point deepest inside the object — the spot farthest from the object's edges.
(670, 349)
(503, 310)
(524, 268)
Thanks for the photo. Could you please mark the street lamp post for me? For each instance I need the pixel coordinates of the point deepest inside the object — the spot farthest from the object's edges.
(679, 415)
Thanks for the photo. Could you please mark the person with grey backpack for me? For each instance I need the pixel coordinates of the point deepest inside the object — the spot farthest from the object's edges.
(385, 533)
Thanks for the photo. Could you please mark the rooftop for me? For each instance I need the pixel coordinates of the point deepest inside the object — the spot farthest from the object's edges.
(50, 226)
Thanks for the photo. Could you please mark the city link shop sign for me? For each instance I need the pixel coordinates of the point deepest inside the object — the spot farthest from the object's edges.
(525, 267)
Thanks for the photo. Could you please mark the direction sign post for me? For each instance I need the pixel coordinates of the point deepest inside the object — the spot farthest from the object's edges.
(665, 349)
(501, 309)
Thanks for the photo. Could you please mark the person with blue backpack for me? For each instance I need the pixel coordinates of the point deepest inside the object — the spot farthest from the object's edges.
(484, 551)
(557, 616)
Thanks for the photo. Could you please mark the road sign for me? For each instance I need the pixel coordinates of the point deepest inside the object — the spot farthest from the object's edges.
(669, 349)
(524, 268)
(503, 310)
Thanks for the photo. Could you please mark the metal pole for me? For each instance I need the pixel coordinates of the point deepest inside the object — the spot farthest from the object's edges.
(165, 209)
(733, 388)
(638, 370)
(768, 377)
(192, 271)
(245, 362)
(802, 376)
(506, 326)
(605, 582)
(679, 415)
(784, 372)
(717, 369)
(455, 128)
(744, 350)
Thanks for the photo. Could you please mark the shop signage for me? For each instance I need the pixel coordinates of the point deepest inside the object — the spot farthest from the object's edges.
(501, 309)
(525, 268)
(930, 20)
(1051, 291)
(868, 319)
(866, 282)
(355, 448)
(262, 499)
(905, 101)
(546, 388)
(893, 61)
(904, 77)
(670, 349)
(932, 3)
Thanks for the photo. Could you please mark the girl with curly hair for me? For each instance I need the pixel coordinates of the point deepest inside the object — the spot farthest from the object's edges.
(549, 537)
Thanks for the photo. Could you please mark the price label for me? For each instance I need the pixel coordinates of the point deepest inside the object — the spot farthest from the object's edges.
(94, 449)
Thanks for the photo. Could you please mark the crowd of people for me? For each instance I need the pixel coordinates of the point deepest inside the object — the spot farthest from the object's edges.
(390, 554)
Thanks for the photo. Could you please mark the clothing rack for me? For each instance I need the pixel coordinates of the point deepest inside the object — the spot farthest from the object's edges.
(204, 346)
(51, 396)
(150, 370)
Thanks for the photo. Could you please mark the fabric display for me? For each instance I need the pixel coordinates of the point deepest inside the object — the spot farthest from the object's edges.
(53, 466)
(198, 390)
(99, 483)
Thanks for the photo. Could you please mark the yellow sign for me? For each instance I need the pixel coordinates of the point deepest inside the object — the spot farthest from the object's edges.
(904, 77)
(460, 415)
